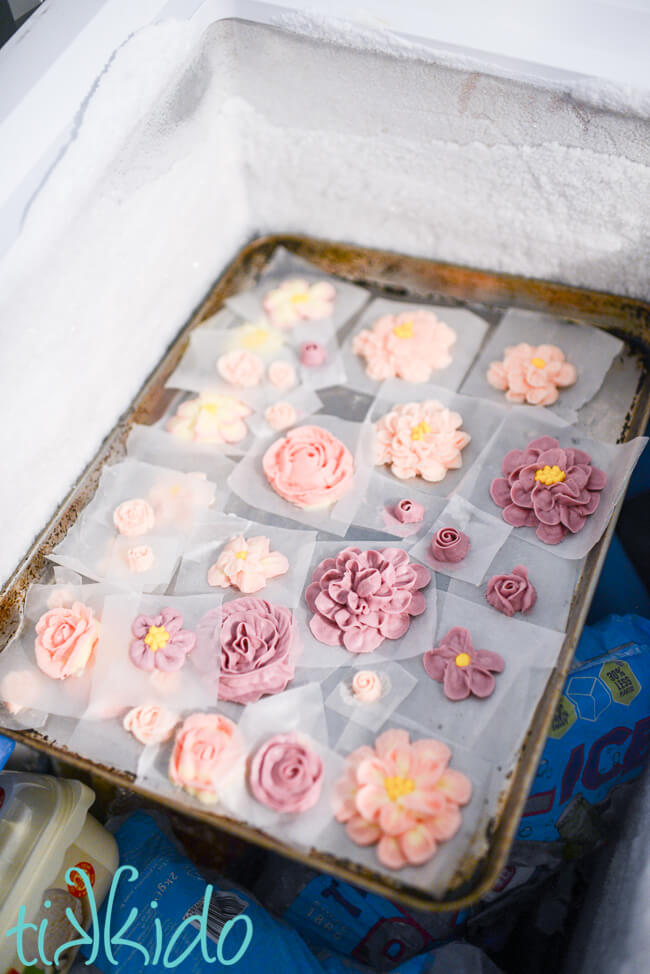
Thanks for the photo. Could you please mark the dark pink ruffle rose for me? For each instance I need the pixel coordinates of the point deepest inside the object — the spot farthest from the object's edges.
(361, 597)
(259, 645)
(460, 668)
(286, 774)
(512, 593)
(449, 545)
(548, 488)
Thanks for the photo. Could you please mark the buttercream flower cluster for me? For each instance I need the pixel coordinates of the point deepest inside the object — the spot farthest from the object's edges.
(410, 346)
(532, 374)
(361, 597)
(420, 439)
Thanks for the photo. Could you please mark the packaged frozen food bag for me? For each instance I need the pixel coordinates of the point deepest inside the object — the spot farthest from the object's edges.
(176, 914)
(599, 739)
(6, 748)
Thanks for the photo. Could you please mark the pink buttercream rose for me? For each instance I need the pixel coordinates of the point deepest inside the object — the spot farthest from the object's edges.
(367, 686)
(512, 593)
(65, 640)
(532, 374)
(247, 564)
(280, 415)
(297, 300)
(401, 796)
(450, 545)
(139, 558)
(207, 747)
(282, 374)
(259, 645)
(286, 774)
(241, 368)
(309, 467)
(150, 725)
(134, 517)
(410, 346)
(420, 439)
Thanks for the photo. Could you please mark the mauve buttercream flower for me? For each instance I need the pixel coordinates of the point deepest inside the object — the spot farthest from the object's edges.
(532, 373)
(549, 488)
(207, 747)
(408, 512)
(512, 593)
(309, 467)
(241, 368)
(410, 346)
(312, 354)
(450, 545)
(134, 517)
(361, 597)
(259, 645)
(420, 439)
(460, 668)
(286, 773)
(402, 796)
(297, 300)
(161, 643)
(65, 640)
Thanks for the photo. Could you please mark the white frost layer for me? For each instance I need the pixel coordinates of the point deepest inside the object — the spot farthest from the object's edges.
(191, 142)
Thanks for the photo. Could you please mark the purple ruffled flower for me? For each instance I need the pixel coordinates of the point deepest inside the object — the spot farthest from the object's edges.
(548, 488)
(512, 593)
(361, 598)
(161, 643)
(460, 668)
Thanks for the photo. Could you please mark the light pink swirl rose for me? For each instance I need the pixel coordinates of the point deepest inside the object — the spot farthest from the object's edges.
(207, 747)
(367, 686)
(309, 467)
(65, 640)
(282, 374)
(286, 774)
(280, 415)
(150, 725)
(134, 517)
(241, 368)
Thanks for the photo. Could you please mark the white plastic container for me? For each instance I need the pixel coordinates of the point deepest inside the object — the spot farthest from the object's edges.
(45, 829)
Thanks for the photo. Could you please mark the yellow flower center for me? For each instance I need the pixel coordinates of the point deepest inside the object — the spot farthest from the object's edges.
(242, 555)
(210, 407)
(175, 490)
(255, 338)
(405, 330)
(420, 431)
(462, 660)
(157, 638)
(300, 297)
(397, 787)
(539, 363)
(550, 475)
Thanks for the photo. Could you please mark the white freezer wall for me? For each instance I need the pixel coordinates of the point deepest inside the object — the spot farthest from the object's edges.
(193, 141)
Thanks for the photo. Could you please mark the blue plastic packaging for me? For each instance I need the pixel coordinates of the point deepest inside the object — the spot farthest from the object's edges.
(6, 748)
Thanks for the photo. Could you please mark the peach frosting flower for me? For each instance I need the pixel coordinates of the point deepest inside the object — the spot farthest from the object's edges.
(241, 368)
(367, 686)
(420, 439)
(139, 558)
(309, 467)
(282, 374)
(150, 724)
(401, 796)
(297, 300)
(532, 374)
(207, 747)
(247, 565)
(65, 640)
(175, 501)
(410, 346)
(280, 415)
(256, 336)
(210, 418)
(134, 517)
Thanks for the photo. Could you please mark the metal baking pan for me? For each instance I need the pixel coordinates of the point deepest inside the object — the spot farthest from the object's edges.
(619, 411)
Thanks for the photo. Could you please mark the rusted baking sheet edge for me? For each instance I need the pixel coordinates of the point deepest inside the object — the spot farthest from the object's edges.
(397, 274)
